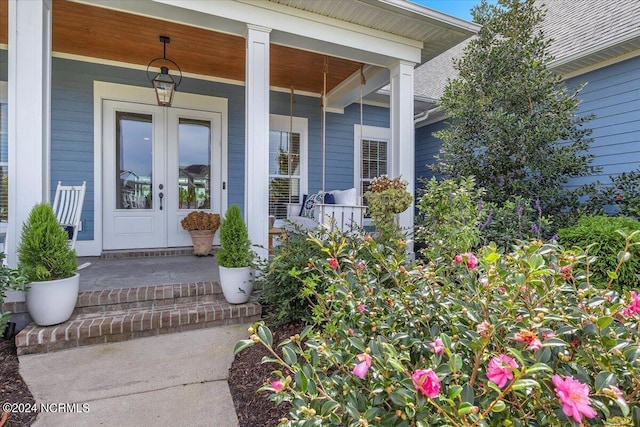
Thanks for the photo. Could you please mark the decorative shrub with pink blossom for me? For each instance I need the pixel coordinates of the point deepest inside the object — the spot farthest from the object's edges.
(512, 339)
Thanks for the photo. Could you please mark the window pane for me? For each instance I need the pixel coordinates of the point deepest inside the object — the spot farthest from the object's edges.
(284, 171)
(281, 192)
(134, 161)
(194, 152)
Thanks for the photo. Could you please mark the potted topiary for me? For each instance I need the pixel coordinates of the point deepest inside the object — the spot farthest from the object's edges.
(235, 258)
(45, 258)
(202, 226)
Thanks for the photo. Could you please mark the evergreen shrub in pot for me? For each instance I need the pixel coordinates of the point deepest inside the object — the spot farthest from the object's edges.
(50, 265)
(235, 258)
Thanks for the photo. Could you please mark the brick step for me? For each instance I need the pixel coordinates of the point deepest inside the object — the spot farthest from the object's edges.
(134, 322)
(147, 296)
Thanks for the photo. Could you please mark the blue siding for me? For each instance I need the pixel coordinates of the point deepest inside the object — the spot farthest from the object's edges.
(612, 94)
(72, 129)
(427, 146)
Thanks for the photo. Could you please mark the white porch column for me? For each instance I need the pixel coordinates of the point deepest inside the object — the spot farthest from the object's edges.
(29, 94)
(256, 189)
(403, 133)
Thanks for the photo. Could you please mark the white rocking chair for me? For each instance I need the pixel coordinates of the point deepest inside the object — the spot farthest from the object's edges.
(67, 205)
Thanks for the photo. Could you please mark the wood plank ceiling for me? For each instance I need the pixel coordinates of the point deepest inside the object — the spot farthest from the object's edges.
(96, 32)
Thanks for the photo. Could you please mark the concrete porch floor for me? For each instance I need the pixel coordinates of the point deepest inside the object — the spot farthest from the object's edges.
(146, 271)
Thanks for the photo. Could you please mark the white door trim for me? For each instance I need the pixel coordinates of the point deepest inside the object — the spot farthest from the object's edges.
(145, 95)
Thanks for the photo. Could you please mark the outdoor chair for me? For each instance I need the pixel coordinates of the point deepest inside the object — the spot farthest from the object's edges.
(67, 205)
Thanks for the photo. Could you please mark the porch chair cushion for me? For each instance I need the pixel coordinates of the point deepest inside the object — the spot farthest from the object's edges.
(309, 204)
(346, 197)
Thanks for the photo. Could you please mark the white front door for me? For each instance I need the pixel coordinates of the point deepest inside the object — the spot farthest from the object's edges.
(158, 164)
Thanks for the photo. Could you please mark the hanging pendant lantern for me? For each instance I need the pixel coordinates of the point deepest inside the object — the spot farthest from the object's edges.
(164, 83)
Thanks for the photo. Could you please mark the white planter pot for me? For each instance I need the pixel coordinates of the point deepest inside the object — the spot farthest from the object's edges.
(236, 283)
(53, 301)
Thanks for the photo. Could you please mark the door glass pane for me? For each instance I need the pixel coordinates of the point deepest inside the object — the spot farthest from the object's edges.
(134, 161)
(194, 152)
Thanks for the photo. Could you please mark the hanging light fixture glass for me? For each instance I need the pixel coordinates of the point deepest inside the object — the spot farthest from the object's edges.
(164, 83)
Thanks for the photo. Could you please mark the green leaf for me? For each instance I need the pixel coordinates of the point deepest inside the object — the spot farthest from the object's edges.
(328, 407)
(554, 342)
(289, 355)
(265, 335)
(465, 408)
(624, 256)
(537, 367)
(302, 382)
(612, 274)
(604, 321)
(499, 406)
(604, 379)
(524, 383)
(454, 391)
(467, 393)
(241, 345)
(492, 257)
(395, 364)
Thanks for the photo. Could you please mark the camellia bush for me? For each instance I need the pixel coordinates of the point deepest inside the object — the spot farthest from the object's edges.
(487, 339)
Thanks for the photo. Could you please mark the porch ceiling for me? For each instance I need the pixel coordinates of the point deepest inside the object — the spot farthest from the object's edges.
(97, 32)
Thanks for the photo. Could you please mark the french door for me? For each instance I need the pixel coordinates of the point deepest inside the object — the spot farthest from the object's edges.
(158, 165)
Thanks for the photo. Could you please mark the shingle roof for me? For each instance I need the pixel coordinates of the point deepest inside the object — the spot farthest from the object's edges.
(585, 32)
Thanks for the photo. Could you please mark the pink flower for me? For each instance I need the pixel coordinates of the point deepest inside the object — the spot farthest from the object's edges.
(362, 308)
(484, 328)
(472, 261)
(468, 257)
(574, 397)
(500, 369)
(277, 385)
(350, 331)
(634, 305)
(426, 382)
(548, 335)
(333, 263)
(566, 272)
(360, 266)
(529, 338)
(361, 368)
(437, 346)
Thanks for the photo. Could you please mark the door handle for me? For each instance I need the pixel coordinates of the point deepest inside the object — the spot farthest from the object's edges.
(161, 195)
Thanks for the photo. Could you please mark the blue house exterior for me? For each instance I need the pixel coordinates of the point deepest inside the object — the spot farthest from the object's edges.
(594, 42)
(74, 90)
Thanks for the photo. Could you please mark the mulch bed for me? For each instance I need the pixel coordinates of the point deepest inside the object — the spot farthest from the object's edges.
(247, 374)
(12, 388)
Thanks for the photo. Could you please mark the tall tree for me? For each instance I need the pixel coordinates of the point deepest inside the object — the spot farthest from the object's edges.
(513, 123)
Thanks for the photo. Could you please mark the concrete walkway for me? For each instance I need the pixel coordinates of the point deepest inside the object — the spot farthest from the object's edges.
(167, 380)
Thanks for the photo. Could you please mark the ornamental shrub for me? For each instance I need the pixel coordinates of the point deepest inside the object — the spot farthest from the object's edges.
(282, 288)
(488, 339)
(10, 280)
(622, 195)
(235, 246)
(449, 217)
(513, 220)
(601, 236)
(44, 252)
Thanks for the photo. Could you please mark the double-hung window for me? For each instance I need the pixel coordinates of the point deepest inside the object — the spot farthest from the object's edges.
(372, 149)
(287, 162)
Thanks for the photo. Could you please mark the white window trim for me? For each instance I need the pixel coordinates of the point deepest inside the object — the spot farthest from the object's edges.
(4, 99)
(368, 132)
(300, 125)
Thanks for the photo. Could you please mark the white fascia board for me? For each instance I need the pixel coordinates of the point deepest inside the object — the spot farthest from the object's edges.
(350, 90)
(308, 27)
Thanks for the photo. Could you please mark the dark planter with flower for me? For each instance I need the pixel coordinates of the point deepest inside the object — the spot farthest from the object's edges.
(202, 227)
